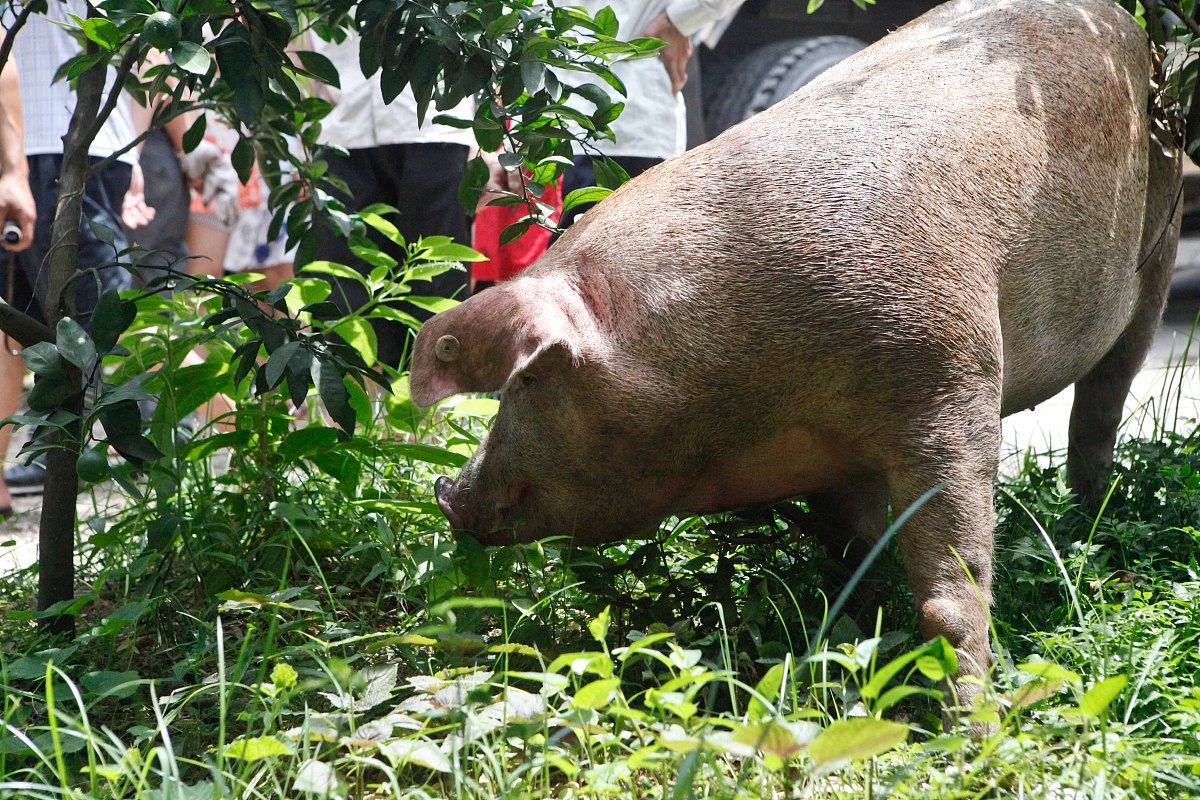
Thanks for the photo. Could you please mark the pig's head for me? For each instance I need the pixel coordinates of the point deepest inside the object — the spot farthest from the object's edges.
(553, 462)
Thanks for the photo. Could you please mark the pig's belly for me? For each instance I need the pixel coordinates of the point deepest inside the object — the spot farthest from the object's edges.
(794, 462)
(1048, 345)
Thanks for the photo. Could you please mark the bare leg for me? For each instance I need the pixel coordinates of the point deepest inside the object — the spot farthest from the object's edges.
(273, 276)
(12, 370)
(208, 243)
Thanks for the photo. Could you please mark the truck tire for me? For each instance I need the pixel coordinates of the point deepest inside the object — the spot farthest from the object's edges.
(767, 75)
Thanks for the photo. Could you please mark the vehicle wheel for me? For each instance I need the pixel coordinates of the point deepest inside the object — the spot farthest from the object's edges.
(767, 75)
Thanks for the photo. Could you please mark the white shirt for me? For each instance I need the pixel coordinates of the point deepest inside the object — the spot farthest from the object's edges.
(40, 48)
(360, 118)
(654, 121)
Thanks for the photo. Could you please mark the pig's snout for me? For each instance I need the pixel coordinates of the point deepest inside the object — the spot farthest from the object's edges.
(441, 490)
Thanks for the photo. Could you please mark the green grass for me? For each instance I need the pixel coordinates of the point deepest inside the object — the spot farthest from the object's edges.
(302, 625)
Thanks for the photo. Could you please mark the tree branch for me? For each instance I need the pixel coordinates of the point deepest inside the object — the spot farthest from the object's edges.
(22, 327)
(156, 124)
(11, 34)
(114, 94)
(1184, 17)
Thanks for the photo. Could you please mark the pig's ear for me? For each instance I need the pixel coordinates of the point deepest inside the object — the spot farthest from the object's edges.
(550, 355)
(479, 344)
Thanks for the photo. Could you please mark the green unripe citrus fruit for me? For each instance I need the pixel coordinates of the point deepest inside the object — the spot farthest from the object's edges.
(162, 30)
(93, 465)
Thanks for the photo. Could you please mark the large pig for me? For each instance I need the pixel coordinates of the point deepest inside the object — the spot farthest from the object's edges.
(840, 299)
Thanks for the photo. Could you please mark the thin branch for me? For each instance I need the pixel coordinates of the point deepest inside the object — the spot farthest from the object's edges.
(1184, 17)
(156, 123)
(22, 327)
(114, 94)
(11, 34)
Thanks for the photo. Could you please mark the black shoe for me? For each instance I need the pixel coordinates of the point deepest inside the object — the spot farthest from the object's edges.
(26, 478)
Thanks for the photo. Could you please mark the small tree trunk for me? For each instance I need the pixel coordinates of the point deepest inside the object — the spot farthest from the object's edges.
(56, 533)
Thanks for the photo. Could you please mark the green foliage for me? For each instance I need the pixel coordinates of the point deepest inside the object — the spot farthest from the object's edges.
(297, 622)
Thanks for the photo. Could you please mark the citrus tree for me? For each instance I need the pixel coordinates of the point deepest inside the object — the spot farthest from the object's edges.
(236, 60)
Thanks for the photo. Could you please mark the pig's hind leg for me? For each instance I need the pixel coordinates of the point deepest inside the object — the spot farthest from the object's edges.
(1100, 395)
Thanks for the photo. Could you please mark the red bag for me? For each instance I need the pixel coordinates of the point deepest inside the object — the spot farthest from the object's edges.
(506, 260)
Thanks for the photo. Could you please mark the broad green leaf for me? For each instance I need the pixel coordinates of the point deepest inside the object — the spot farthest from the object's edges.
(768, 688)
(598, 627)
(321, 66)
(898, 693)
(856, 739)
(316, 777)
(192, 138)
(590, 194)
(43, 358)
(359, 334)
(1048, 670)
(939, 661)
(597, 693)
(383, 226)
(607, 21)
(191, 57)
(74, 344)
(475, 178)
(242, 158)
(452, 251)
(1035, 691)
(1097, 699)
(33, 667)
(278, 362)
(581, 663)
(481, 407)
(192, 387)
(776, 737)
(110, 684)
(102, 32)
(112, 317)
(935, 650)
(434, 305)
(307, 441)
(425, 754)
(257, 748)
(336, 270)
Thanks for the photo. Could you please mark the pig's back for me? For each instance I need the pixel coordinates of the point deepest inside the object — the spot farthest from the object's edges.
(965, 179)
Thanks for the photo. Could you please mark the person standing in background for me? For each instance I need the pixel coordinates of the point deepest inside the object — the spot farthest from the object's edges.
(16, 204)
(39, 49)
(653, 125)
(392, 159)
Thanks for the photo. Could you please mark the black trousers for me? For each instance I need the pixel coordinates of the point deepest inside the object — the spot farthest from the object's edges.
(421, 181)
(102, 199)
(582, 174)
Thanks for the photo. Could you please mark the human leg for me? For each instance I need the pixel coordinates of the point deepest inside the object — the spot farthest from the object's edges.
(207, 243)
(12, 370)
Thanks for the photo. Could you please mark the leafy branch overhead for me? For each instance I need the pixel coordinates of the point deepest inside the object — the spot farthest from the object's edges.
(249, 63)
(1173, 28)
